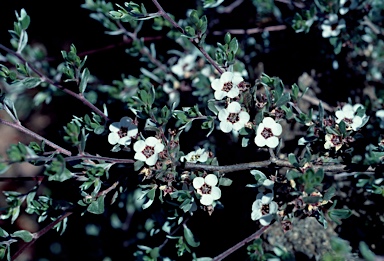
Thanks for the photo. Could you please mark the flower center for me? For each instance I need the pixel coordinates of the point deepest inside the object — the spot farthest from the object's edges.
(265, 209)
(348, 121)
(148, 151)
(206, 189)
(267, 133)
(195, 157)
(123, 132)
(233, 117)
(227, 86)
(336, 140)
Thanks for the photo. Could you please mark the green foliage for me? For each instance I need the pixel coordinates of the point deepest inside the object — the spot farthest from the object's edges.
(294, 145)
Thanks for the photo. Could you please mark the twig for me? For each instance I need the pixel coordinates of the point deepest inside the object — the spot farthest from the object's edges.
(112, 46)
(371, 25)
(36, 136)
(229, 251)
(264, 164)
(229, 8)
(49, 81)
(38, 234)
(252, 30)
(196, 44)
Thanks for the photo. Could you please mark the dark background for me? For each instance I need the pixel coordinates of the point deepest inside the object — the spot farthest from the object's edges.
(59, 24)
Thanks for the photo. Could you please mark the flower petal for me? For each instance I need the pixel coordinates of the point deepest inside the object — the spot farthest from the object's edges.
(125, 141)
(266, 219)
(216, 193)
(113, 138)
(159, 148)
(225, 126)
(219, 94)
(139, 146)
(206, 199)
(151, 141)
(276, 129)
(226, 77)
(272, 142)
(216, 84)
(198, 182)
(234, 107)
(211, 180)
(260, 141)
(152, 160)
(140, 156)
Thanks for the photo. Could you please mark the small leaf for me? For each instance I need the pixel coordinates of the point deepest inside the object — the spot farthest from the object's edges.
(225, 181)
(97, 206)
(24, 235)
(366, 252)
(84, 80)
(188, 235)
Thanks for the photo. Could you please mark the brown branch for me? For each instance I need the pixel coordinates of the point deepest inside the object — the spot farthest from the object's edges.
(229, 8)
(40, 233)
(196, 44)
(263, 164)
(51, 82)
(36, 136)
(252, 30)
(245, 241)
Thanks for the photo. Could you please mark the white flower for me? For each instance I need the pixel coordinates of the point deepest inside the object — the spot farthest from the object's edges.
(347, 114)
(232, 118)
(194, 156)
(332, 26)
(206, 187)
(122, 131)
(380, 115)
(267, 132)
(148, 150)
(264, 209)
(226, 86)
(333, 141)
(184, 65)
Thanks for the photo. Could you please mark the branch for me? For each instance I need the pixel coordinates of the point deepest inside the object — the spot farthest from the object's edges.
(49, 81)
(229, 251)
(263, 164)
(38, 234)
(252, 30)
(196, 44)
(36, 136)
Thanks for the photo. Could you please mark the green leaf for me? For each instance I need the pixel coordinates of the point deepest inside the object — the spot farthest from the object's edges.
(188, 235)
(366, 252)
(84, 80)
(24, 235)
(293, 160)
(225, 181)
(329, 193)
(97, 206)
(233, 45)
(227, 38)
(3, 233)
(337, 214)
(284, 99)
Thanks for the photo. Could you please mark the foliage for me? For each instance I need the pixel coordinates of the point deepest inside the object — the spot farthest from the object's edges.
(167, 126)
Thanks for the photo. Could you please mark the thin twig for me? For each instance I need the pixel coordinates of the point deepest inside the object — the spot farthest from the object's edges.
(51, 82)
(112, 46)
(266, 163)
(40, 233)
(245, 241)
(36, 136)
(251, 30)
(229, 8)
(196, 44)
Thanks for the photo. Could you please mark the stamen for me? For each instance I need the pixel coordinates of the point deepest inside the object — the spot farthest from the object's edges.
(227, 86)
(148, 151)
(267, 133)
